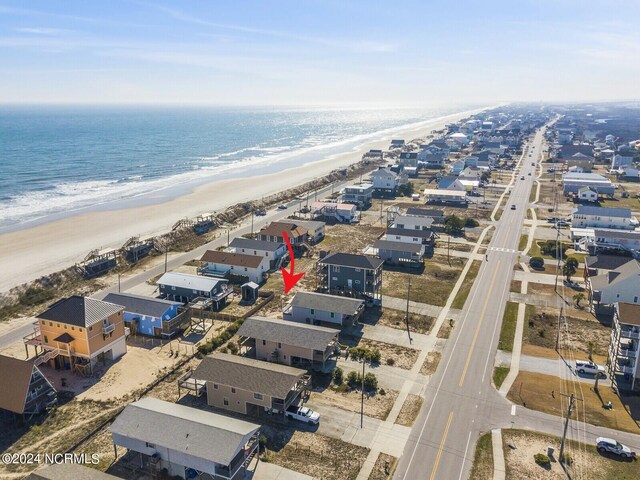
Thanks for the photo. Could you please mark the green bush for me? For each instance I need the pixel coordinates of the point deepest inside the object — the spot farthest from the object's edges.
(406, 189)
(391, 362)
(536, 262)
(353, 379)
(542, 460)
(338, 376)
(373, 356)
(370, 382)
(471, 222)
(548, 247)
(566, 459)
(454, 225)
(35, 296)
(233, 348)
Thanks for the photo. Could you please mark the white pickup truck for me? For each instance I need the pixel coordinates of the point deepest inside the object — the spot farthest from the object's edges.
(303, 414)
(585, 366)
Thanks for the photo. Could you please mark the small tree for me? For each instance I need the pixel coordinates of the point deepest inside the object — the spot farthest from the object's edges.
(470, 222)
(370, 382)
(353, 379)
(536, 262)
(338, 376)
(590, 347)
(454, 225)
(569, 268)
(406, 189)
(578, 297)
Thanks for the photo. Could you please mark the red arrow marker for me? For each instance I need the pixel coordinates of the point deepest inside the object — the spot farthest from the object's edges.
(290, 278)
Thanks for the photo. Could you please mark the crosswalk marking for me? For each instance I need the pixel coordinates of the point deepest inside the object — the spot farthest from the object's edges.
(508, 250)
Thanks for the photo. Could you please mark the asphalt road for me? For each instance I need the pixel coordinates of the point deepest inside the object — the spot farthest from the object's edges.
(131, 281)
(460, 400)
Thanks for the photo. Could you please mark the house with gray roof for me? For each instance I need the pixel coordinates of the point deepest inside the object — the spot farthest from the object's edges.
(351, 275)
(274, 251)
(66, 471)
(400, 253)
(617, 285)
(186, 441)
(586, 216)
(249, 386)
(245, 267)
(410, 235)
(322, 309)
(184, 287)
(288, 343)
(149, 316)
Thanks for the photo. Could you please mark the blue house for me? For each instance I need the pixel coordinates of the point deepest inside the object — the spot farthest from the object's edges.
(149, 316)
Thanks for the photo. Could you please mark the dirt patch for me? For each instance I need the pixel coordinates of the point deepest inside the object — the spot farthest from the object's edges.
(446, 328)
(375, 406)
(410, 410)
(321, 457)
(395, 355)
(430, 364)
(586, 462)
(396, 319)
(349, 238)
(534, 288)
(384, 467)
(516, 286)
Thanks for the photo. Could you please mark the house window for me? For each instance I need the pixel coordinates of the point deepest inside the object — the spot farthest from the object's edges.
(233, 389)
(195, 291)
(336, 269)
(225, 401)
(51, 324)
(335, 279)
(215, 386)
(173, 288)
(313, 312)
(279, 345)
(245, 269)
(73, 328)
(635, 299)
(150, 445)
(79, 329)
(42, 321)
(357, 269)
(90, 328)
(257, 396)
(357, 282)
(46, 340)
(333, 315)
(264, 342)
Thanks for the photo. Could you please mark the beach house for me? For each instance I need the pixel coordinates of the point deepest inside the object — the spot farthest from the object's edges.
(315, 228)
(275, 252)
(24, 390)
(340, 212)
(623, 348)
(351, 274)
(249, 386)
(77, 332)
(359, 194)
(237, 267)
(408, 159)
(184, 287)
(276, 232)
(617, 285)
(385, 182)
(438, 196)
(412, 222)
(394, 252)
(572, 182)
(411, 235)
(603, 217)
(185, 441)
(289, 343)
(322, 309)
(150, 316)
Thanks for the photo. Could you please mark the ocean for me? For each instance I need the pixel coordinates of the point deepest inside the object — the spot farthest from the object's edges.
(57, 160)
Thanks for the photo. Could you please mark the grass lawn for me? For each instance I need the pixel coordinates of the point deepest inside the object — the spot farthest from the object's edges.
(483, 459)
(508, 330)
(467, 283)
(516, 286)
(542, 392)
(522, 244)
(499, 374)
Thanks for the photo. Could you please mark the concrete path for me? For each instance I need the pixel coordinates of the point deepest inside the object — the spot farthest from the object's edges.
(395, 336)
(415, 307)
(538, 300)
(258, 470)
(499, 467)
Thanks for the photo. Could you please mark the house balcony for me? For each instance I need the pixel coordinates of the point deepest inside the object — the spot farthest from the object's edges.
(627, 369)
(627, 352)
(108, 328)
(628, 333)
(213, 271)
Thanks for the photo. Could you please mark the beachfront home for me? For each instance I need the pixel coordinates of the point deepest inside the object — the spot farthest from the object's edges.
(623, 349)
(351, 274)
(410, 235)
(359, 194)
(433, 213)
(618, 285)
(435, 195)
(340, 212)
(288, 343)
(408, 159)
(396, 143)
(322, 309)
(275, 252)
(248, 386)
(78, 332)
(400, 253)
(572, 182)
(451, 183)
(603, 217)
(277, 231)
(315, 228)
(630, 174)
(185, 441)
(24, 390)
(150, 316)
(252, 268)
(185, 288)
(412, 222)
(386, 182)
(620, 161)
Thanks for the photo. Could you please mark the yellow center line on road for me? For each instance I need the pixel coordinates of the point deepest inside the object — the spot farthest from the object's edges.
(444, 439)
(475, 336)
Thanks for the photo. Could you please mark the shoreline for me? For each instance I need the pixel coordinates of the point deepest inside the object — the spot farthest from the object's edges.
(31, 252)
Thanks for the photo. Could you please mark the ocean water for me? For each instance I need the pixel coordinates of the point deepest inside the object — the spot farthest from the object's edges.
(57, 160)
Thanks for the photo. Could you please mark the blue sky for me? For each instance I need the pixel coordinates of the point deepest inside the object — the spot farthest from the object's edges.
(318, 52)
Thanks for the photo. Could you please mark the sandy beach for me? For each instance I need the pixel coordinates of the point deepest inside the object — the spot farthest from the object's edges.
(45, 248)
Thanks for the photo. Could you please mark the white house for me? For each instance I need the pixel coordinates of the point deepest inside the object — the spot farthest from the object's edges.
(385, 181)
(412, 222)
(341, 212)
(407, 235)
(460, 138)
(360, 194)
(323, 309)
(223, 264)
(436, 195)
(274, 251)
(456, 167)
(586, 194)
(630, 174)
(572, 182)
(602, 217)
(618, 285)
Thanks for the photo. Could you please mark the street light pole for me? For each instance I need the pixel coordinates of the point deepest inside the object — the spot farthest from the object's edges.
(407, 316)
(362, 396)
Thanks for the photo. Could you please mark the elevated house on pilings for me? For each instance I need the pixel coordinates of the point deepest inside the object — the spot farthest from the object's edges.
(136, 249)
(97, 262)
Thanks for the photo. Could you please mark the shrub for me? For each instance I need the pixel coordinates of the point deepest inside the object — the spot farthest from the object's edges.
(338, 376)
(353, 379)
(35, 296)
(406, 189)
(224, 350)
(370, 382)
(542, 460)
(233, 348)
(391, 362)
(566, 459)
(373, 356)
(454, 225)
(536, 262)
(382, 391)
(541, 333)
(471, 222)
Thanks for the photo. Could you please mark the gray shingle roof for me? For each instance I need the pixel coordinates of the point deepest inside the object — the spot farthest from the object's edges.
(606, 262)
(235, 259)
(408, 232)
(248, 374)
(425, 212)
(327, 303)
(613, 277)
(184, 429)
(603, 211)
(191, 282)
(351, 260)
(288, 333)
(398, 246)
(153, 307)
(66, 471)
(251, 243)
(79, 311)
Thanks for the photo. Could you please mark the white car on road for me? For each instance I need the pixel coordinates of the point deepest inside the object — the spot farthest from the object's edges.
(610, 445)
(586, 366)
(303, 414)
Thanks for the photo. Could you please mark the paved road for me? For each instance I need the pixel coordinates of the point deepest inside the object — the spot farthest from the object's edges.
(459, 398)
(128, 283)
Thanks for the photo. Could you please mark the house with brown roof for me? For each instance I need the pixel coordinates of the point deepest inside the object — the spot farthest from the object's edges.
(249, 386)
(276, 231)
(250, 268)
(78, 332)
(24, 390)
(288, 343)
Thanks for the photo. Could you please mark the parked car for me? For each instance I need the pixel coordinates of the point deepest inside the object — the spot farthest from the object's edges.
(522, 177)
(260, 213)
(604, 444)
(282, 207)
(303, 414)
(562, 223)
(587, 366)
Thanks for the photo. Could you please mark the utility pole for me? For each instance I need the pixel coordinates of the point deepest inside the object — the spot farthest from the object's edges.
(228, 234)
(572, 398)
(166, 253)
(118, 283)
(252, 222)
(362, 397)
(407, 317)
(381, 203)
(448, 247)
